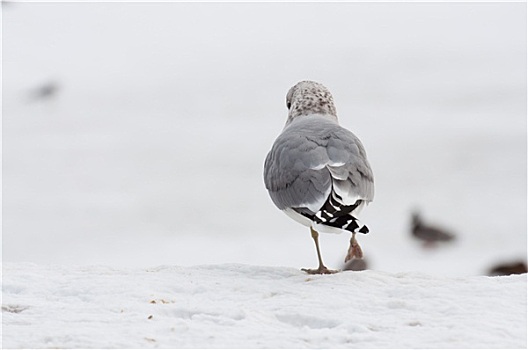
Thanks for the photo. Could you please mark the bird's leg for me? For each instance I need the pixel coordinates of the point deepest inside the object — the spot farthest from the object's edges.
(354, 251)
(321, 269)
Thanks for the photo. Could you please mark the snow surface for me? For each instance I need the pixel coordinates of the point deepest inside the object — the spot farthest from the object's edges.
(242, 306)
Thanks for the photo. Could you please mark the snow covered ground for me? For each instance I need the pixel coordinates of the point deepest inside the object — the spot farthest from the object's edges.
(242, 306)
(150, 153)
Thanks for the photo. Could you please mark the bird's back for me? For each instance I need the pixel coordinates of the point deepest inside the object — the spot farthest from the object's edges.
(312, 158)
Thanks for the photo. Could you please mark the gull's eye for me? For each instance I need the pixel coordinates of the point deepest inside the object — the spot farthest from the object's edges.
(288, 104)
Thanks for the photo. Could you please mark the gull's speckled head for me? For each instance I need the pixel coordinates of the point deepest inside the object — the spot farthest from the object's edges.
(309, 97)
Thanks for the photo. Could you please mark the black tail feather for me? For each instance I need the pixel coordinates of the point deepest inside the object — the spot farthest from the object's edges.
(334, 213)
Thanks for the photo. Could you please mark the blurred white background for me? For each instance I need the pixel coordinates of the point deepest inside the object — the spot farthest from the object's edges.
(135, 134)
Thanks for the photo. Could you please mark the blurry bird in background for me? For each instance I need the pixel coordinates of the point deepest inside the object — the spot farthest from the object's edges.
(429, 235)
(45, 91)
(504, 269)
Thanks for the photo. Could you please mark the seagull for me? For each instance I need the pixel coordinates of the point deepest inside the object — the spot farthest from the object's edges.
(317, 171)
(428, 234)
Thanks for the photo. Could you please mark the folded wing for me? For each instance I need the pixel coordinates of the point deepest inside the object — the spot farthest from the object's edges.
(314, 165)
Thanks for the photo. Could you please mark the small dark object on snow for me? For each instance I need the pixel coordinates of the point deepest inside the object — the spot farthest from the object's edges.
(16, 309)
(514, 268)
(355, 264)
(428, 234)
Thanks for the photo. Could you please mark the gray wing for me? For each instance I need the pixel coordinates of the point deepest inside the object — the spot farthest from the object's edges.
(310, 159)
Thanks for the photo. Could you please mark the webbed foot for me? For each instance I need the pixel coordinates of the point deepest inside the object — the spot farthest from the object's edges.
(322, 270)
(354, 251)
